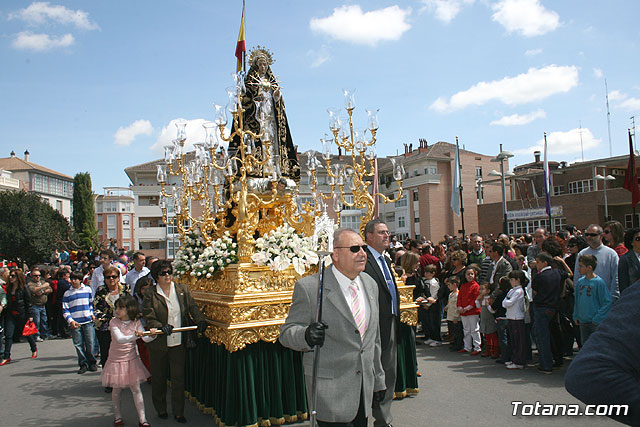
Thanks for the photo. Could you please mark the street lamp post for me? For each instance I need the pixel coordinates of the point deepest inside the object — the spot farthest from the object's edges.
(501, 157)
(606, 205)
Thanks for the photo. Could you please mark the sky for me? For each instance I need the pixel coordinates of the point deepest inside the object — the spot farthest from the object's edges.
(96, 85)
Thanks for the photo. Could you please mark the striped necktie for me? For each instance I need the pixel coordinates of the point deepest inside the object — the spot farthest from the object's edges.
(357, 308)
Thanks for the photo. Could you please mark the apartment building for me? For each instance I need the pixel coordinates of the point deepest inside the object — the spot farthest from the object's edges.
(115, 216)
(53, 187)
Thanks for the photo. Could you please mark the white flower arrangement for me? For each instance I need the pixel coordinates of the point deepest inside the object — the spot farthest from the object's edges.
(189, 253)
(283, 247)
(216, 257)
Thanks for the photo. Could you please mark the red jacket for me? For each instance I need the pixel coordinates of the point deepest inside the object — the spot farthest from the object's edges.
(467, 296)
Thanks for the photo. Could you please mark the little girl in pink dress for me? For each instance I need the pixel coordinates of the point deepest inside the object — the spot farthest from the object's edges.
(124, 367)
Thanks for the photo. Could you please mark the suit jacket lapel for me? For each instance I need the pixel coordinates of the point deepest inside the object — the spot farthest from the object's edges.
(373, 264)
(335, 296)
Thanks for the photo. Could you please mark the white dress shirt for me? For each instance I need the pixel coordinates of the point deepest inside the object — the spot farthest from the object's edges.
(174, 316)
(344, 283)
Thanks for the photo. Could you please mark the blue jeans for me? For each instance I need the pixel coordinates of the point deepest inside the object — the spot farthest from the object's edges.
(83, 342)
(502, 326)
(541, 320)
(586, 329)
(12, 322)
(40, 319)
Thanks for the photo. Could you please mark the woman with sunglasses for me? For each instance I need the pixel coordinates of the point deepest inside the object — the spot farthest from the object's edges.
(104, 309)
(614, 237)
(166, 306)
(17, 310)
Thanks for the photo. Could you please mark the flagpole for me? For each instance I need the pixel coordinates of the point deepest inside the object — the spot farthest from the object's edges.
(459, 166)
(244, 54)
(547, 181)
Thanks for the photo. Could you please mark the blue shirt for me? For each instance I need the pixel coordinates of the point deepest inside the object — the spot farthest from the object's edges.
(593, 300)
(607, 268)
(77, 305)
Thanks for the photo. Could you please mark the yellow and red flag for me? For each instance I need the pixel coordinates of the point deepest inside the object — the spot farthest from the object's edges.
(241, 47)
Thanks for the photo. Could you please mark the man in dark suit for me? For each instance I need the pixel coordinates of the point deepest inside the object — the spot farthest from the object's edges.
(376, 234)
(501, 267)
(350, 375)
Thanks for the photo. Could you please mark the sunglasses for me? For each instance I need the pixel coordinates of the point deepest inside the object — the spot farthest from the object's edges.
(110, 277)
(355, 248)
(165, 273)
(592, 234)
(12, 275)
(35, 275)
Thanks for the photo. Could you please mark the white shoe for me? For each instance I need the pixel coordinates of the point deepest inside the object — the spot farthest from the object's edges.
(39, 339)
(429, 341)
(514, 366)
(508, 363)
(435, 344)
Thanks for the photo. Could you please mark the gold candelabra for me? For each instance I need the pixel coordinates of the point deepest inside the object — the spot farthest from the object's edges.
(361, 163)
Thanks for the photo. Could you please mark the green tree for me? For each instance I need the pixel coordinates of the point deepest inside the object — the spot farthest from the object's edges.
(84, 211)
(30, 229)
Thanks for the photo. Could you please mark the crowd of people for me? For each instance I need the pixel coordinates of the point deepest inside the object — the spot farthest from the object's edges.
(502, 297)
(105, 305)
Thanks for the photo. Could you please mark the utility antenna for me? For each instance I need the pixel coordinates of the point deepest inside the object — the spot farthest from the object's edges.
(581, 146)
(608, 117)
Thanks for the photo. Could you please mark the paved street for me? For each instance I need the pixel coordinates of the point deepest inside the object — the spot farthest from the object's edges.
(455, 390)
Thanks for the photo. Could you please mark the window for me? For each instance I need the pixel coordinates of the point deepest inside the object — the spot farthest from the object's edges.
(415, 196)
(558, 189)
(126, 233)
(111, 226)
(172, 248)
(583, 186)
(628, 223)
(98, 206)
(171, 227)
(99, 219)
(148, 201)
(111, 220)
(416, 220)
(350, 221)
(59, 205)
(401, 222)
(478, 172)
(402, 202)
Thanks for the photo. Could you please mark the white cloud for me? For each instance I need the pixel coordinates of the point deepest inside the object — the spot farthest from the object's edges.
(564, 143)
(351, 24)
(623, 101)
(125, 135)
(527, 17)
(40, 42)
(318, 57)
(518, 120)
(195, 133)
(39, 13)
(446, 10)
(598, 73)
(534, 85)
(533, 52)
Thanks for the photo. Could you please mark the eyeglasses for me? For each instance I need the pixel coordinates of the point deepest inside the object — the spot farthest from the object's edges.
(355, 248)
(165, 273)
(592, 234)
(110, 277)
